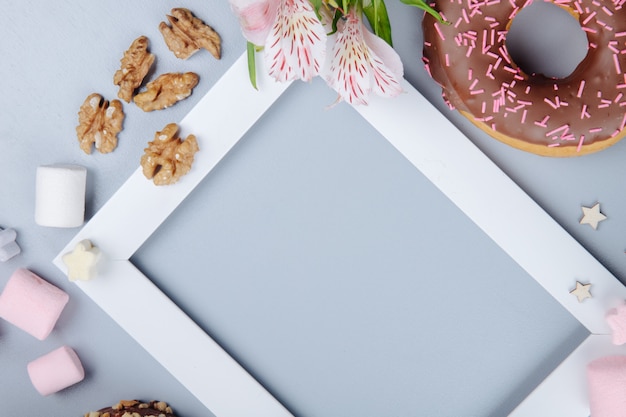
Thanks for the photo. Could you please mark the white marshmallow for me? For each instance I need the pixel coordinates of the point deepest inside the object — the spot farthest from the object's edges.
(60, 195)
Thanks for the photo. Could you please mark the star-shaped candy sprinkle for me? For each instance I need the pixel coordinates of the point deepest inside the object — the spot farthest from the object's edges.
(592, 216)
(81, 262)
(616, 318)
(8, 246)
(582, 291)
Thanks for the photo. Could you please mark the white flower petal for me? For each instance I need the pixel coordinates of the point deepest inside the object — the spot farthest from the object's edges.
(356, 66)
(256, 18)
(296, 45)
(387, 68)
(347, 71)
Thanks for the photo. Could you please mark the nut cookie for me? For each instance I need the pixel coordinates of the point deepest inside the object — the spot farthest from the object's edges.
(134, 408)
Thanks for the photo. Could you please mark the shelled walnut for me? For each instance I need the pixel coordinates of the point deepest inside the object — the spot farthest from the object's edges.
(167, 157)
(99, 122)
(186, 34)
(135, 65)
(166, 90)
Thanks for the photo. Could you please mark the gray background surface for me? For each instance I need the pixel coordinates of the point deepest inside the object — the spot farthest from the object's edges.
(315, 253)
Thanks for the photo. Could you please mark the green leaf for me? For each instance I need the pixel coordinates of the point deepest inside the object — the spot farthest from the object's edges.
(251, 49)
(317, 5)
(338, 15)
(376, 14)
(421, 4)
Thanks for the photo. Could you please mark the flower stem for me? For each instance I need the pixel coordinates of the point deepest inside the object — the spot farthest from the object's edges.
(251, 49)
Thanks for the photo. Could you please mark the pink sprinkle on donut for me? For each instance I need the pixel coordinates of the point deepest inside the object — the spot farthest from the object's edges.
(443, 38)
(581, 87)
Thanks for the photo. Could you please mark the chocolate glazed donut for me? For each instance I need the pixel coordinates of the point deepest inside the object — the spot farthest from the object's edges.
(579, 114)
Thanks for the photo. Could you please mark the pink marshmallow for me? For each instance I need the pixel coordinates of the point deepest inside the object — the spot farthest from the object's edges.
(32, 304)
(55, 371)
(607, 386)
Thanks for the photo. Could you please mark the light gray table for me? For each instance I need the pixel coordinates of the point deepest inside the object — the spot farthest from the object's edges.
(320, 258)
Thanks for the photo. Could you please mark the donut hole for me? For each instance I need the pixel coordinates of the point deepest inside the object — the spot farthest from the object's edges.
(544, 39)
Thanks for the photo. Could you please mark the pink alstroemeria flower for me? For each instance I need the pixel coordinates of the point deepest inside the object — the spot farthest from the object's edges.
(361, 63)
(293, 36)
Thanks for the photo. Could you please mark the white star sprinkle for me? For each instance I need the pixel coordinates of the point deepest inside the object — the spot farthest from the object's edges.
(8, 246)
(81, 262)
(582, 291)
(592, 216)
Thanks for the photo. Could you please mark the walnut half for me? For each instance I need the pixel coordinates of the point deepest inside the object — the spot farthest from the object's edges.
(166, 90)
(187, 34)
(99, 122)
(167, 157)
(135, 64)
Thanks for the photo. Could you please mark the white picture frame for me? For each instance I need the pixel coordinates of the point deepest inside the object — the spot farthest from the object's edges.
(410, 123)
